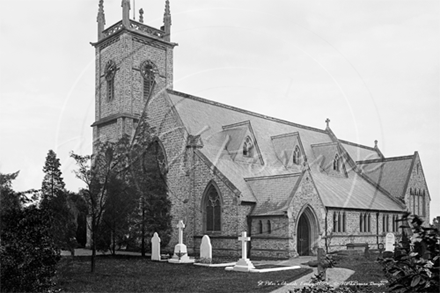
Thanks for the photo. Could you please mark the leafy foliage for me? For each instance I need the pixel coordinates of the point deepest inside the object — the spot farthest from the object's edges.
(27, 250)
(416, 267)
(149, 179)
(9, 199)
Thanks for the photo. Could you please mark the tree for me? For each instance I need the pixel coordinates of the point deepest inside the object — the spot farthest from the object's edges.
(119, 206)
(55, 201)
(96, 171)
(9, 199)
(148, 176)
(27, 251)
(53, 183)
(416, 266)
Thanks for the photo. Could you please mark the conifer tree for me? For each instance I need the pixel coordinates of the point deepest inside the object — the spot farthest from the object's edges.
(53, 183)
(55, 201)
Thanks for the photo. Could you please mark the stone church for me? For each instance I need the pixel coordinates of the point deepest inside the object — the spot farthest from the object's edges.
(292, 187)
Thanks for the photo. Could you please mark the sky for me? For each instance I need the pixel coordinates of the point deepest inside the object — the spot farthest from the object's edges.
(371, 67)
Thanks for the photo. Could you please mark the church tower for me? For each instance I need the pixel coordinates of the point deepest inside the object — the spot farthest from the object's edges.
(134, 62)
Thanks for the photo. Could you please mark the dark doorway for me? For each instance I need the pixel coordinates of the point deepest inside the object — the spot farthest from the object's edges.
(303, 236)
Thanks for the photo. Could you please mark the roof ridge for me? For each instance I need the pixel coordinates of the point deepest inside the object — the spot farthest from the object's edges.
(199, 99)
(357, 145)
(273, 176)
(324, 144)
(233, 125)
(284, 135)
(382, 160)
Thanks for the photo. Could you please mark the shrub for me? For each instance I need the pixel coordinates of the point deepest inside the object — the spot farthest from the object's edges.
(27, 251)
(415, 268)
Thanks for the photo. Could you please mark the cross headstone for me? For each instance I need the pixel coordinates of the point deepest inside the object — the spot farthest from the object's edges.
(180, 226)
(180, 251)
(243, 264)
(155, 247)
(243, 240)
(206, 248)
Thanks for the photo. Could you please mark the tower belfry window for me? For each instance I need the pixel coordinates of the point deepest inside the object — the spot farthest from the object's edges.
(147, 72)
(110, 71)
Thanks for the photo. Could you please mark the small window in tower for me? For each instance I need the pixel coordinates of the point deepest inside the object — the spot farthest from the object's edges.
(147, 72)
(296, 155)
(247, 147)
(110, 71)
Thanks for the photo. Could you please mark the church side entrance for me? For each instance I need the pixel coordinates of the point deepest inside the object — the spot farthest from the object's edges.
(303, 236)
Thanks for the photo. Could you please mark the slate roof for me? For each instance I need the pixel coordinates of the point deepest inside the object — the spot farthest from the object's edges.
(208, 118)
(360, 152)
(273, 193)
(390, 173)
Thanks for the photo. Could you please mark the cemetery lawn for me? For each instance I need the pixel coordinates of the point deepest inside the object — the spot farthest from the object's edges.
(136, 274)
(367, 271)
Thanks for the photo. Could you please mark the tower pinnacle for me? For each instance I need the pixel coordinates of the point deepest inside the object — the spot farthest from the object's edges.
(167, 21)
(126, 13)
(100, 19)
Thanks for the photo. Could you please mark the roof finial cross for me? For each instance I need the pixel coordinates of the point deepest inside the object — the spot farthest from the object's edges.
(375, 144)
(328, 122)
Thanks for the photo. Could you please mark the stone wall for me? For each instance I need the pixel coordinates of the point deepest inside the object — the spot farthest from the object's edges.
(417, 183)
(306, 198)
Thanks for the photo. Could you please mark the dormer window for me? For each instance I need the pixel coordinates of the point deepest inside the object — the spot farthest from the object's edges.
(247, 147)
(296, 155)
(336, 163)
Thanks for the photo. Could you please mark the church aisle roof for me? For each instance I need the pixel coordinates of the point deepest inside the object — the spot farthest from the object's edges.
(273, 193)
(212, 121)
(390, 173)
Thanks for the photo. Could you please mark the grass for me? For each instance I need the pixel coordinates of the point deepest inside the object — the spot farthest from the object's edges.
(367, 271)
(136, 274)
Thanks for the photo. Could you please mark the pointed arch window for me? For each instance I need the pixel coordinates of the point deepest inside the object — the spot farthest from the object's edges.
(269, 227)
(110, 71)
(365, 222)
(260, 227)
(343, 221)
(296, 155)
(212, 206)
(248, 147)
(147, 72)
(336, 163)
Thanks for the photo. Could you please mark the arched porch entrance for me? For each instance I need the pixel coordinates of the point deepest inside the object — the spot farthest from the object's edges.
(306, 232)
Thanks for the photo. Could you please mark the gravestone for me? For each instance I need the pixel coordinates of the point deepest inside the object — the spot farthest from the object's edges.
(321, 263)
(206, 248)
(390, 240)
(244, 264)
(180, 251)
(155, 247)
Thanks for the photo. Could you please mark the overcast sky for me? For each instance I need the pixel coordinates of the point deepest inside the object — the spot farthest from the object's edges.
(372, 67)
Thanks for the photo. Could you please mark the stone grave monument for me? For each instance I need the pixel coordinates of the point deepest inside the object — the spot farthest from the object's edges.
(244, 264)
(155, 247)
(180, 251)
(206, 248)
(390, 240)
